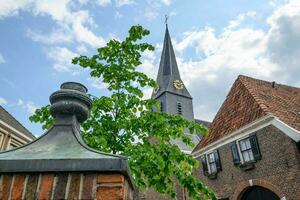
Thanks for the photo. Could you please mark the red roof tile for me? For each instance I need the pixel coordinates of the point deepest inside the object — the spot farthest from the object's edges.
(250, 99)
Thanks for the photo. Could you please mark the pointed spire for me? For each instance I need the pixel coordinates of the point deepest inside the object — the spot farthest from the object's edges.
(168, 70)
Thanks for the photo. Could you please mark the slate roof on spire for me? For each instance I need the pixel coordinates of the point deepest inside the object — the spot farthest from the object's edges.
(168, 70)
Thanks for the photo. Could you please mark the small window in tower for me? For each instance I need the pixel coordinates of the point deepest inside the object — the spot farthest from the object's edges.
(179, 108)
(161, 107)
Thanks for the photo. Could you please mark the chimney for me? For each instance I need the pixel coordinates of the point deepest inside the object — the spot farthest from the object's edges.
(58, 165)
(273, 84)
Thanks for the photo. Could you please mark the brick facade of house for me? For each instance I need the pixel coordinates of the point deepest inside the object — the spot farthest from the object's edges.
(65, 186)
(278, 170)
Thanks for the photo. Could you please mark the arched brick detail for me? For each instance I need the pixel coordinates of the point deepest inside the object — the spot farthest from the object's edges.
(243, 186)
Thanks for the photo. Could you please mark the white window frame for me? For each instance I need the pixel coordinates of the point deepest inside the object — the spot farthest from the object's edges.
(207, 162)
(240, 151)
(14, 143)
(1, 138)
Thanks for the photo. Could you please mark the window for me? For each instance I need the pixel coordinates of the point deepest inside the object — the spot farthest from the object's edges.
(245, 151)
(211, 164)
(161, 107)
(298, 145)
(13, 143)
(179, 108)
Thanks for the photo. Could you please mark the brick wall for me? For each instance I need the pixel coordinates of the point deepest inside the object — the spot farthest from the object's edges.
(278, 170)
(65, 186)
(151, 194)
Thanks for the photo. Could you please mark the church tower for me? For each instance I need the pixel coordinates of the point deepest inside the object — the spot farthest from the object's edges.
(171, 92)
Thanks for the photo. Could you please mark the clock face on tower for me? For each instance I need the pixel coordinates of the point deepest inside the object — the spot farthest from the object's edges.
(178, 84)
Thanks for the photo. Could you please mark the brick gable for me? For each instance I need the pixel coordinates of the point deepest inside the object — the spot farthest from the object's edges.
(250, 99)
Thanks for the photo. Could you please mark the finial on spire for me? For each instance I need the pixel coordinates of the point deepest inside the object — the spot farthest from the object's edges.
(166, 19)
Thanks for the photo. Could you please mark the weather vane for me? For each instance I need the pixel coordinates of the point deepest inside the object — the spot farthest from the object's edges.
(166, 19)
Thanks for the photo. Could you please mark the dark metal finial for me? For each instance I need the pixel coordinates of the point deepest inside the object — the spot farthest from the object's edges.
(71, 100)
(166, 20)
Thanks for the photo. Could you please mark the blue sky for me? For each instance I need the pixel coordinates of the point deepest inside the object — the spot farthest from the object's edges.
(215, 41)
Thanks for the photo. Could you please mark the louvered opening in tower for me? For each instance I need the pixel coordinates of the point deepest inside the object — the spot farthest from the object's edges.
(161, 107)
(179, 108)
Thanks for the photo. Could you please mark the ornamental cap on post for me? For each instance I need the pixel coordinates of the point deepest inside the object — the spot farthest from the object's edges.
(71, 100)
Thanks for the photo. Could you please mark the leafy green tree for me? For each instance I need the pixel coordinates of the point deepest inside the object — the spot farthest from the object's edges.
(124, 123)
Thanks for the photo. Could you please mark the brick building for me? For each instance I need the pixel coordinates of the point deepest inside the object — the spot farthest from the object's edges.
(12, 133)
(58, 165)
(252, 150)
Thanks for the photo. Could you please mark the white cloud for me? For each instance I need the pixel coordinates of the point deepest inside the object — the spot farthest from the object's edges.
(103, 3)
(58, 10)
(166, 2)
(153, 9)
(120, 3)
(270, 54)
(20, 102)
(75, 22)
(172, 13)
(57, 36)
(1, 59)
(284, 40)
(7, 8)
(240, 18)
(83, 2)
(72, 23)
(29, 106)
(82, 49)
(118, 15)
(62, 58)
(97, 83)
(82, 33)
(2, 101)
(151, 14)
(149, 63)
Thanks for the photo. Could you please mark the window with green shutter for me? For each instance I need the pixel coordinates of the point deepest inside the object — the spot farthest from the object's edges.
(211, 164)
(245, 151)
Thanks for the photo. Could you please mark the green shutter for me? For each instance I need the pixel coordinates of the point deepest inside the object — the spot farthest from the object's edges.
(235, 154)
(204, 165)
(218, 161)
(255, 147)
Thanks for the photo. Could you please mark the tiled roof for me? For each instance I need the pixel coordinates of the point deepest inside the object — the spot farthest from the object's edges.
(10, 120)
(250, 99)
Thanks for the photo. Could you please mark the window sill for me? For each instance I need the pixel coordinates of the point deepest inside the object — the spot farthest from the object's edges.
(212, 176)
(247, 166)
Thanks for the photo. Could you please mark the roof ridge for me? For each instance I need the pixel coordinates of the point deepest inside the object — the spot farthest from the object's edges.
(253, 94)
(17, 122)
(265, 81)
